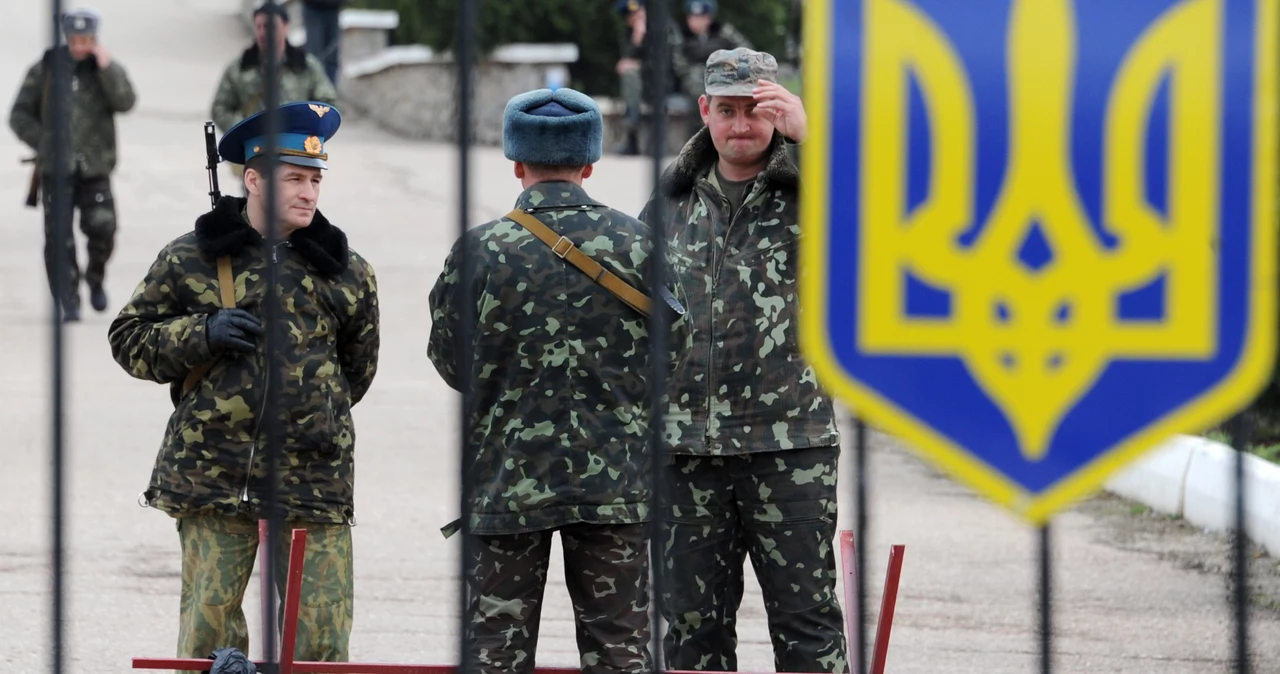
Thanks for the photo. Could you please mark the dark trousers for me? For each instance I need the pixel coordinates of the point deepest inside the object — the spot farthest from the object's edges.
(323, 36)
(92, 197)
(606, 569)
(778, 508)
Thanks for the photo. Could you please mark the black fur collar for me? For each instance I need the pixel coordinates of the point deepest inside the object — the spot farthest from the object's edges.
(294, 58)
(223, 231)
(699, 155)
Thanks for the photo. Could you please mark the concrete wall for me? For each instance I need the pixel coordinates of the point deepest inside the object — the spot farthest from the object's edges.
(410, 89)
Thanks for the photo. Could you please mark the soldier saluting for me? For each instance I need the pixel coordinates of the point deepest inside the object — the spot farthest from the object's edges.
(100, 90)
(753, 436)
(192, 324)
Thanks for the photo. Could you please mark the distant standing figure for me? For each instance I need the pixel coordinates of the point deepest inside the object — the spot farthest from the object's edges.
(323, 36)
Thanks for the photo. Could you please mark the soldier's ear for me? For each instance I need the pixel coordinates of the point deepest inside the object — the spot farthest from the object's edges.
(704, 107)
(252, 182)
(588, 170)
(520, 170)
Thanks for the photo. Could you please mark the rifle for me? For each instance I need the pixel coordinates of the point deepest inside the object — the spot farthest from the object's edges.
(211, 163)
(33, 187)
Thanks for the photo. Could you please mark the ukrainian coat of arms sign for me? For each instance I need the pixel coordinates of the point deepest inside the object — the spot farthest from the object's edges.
(1039, 235)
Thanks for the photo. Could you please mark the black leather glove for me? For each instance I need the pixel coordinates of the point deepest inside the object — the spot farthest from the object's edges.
(231, 329)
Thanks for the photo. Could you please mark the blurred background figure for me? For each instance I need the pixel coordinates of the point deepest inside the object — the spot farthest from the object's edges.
(320, 17)
(100, 89)
(240, 91)
(702, 35)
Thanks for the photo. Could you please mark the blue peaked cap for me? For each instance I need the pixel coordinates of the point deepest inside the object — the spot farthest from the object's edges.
(303, 129)
(699, 7)
(553, 128)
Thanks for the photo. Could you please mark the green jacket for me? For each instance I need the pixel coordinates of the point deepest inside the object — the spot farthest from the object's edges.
(240, 92)
(210, 460)
(745, 387)
(97, 95)
(558, 427)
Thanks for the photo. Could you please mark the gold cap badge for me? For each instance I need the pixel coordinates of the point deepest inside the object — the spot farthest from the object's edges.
(320, 110)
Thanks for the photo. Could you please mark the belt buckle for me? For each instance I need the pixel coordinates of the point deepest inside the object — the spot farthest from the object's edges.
(556, 248)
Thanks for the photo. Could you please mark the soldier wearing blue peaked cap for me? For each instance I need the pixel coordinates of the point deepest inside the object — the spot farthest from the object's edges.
(303, 129)
(560, 266)
(195, 324)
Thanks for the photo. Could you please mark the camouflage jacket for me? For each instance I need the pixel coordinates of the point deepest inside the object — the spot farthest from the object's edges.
(97, 95)
(692, 51)
(559, 418)
(745, 387)
(209, 461)
(240, 93)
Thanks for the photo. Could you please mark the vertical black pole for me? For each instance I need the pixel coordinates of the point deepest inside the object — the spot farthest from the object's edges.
(60, 212)
(860, 543)
(273, 321)
(1240, 437)
(658, 54)
(1045, 600)
(466, 55)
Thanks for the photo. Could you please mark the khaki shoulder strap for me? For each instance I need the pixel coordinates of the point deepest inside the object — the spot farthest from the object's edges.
(227, 293)
(565, 249)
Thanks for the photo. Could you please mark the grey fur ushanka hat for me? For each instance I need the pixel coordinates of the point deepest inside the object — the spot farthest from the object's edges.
(553, 128)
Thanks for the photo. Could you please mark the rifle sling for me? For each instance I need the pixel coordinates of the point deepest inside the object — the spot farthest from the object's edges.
(227, 292)
(566, 250)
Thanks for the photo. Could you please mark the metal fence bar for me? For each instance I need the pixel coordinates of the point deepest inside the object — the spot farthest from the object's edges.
(859, 651)
(465, 51)
(1241, 432)
(1046, 600)
(60, 214)
(659, 56)
(272, 319)
(888, 604)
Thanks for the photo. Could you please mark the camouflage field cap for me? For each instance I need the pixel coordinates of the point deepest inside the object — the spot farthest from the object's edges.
(736, 72)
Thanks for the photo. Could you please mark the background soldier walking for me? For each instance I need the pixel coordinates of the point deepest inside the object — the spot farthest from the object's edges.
(753, 436)
(100, 90)
(558, 422)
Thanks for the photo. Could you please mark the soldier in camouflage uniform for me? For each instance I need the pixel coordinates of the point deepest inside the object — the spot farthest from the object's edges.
(701, 36)
(753, 437)
(559, 410)
(100, 90)
(634, 69)
(210, 472)
(240, 91)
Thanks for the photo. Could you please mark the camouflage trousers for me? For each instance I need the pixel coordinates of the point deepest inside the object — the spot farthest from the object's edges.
(218, 555)
(606, 568)
(779, 508)
(92, 197)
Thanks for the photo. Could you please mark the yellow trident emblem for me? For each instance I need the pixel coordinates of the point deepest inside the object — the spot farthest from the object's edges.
(1042, 332)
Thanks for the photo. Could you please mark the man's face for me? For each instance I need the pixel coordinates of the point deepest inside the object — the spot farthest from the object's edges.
(637, 18)
(297, 193)
(260, 30)
(740, 135)
(81, 46)
(699, 24)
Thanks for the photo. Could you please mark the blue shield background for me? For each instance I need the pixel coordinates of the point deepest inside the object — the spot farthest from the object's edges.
(1131, 394)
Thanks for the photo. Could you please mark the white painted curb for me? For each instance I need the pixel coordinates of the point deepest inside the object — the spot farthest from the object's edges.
(1194, 478)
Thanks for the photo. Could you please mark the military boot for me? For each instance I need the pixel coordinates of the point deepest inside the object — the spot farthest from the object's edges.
(97, 297)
